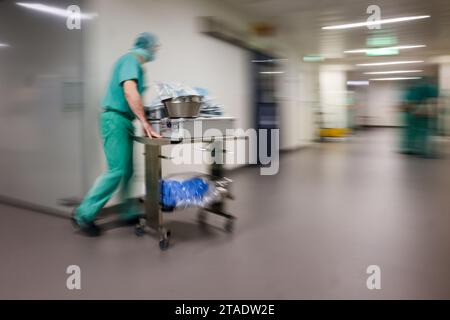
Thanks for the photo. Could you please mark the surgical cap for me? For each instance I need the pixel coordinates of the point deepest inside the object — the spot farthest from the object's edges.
(145, 40)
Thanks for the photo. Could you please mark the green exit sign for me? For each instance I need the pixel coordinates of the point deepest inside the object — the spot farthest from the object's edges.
(313, 58)
(381, 41)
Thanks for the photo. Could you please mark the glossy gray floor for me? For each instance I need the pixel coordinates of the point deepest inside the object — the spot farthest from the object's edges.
(309, 232)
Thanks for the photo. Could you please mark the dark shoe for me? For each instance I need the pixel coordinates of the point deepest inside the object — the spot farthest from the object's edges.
(89, 228)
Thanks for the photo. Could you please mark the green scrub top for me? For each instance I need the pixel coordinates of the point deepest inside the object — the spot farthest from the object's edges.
(420, 93)
(126, 68)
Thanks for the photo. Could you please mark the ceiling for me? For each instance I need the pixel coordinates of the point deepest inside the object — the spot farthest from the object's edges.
(301, 21)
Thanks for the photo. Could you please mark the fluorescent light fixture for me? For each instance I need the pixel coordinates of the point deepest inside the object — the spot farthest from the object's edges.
(372, 23)
(357, 83)
(394, 72)
(395, 79)
(52, 10)
(386, 48)
(272, 72)
(387, 63)
(4, 45)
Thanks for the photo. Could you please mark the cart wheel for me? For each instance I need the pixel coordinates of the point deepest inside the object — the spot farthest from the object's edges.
(229, 226)
(164, 244)
(164, 241)
(139, 231)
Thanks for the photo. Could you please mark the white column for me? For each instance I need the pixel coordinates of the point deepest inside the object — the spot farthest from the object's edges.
(333, 95)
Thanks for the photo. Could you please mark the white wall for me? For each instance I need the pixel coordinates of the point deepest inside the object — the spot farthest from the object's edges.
(309, 99)
(40, 142)
(444, 77)
(383, 99)
(444, 91)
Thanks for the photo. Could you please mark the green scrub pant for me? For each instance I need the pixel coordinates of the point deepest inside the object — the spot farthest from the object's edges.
(406, 135)
(423, 132)
(117, 132)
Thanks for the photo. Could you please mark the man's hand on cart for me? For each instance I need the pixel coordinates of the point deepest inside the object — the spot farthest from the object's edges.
(134, 100)
(148, 130)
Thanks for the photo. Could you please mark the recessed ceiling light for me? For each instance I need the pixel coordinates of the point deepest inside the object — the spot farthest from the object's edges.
(372, 23)
(387, 63)
(3, 45)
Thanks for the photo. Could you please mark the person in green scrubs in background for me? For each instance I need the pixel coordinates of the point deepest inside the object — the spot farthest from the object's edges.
(420, 117)
(121, 105)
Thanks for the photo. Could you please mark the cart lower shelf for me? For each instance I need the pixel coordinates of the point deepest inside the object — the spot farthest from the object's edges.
(165, 234)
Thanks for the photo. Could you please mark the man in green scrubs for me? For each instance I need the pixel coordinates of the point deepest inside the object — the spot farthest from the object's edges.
(121, 105)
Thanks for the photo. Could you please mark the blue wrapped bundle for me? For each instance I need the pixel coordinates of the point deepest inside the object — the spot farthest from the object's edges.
(183, 193)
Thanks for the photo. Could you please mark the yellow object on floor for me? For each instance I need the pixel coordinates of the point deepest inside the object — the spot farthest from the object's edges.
(334, 132)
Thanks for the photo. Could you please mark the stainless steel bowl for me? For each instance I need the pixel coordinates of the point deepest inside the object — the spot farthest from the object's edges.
(183, 107)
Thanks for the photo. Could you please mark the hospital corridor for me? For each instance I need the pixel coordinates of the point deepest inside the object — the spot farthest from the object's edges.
(206, 150)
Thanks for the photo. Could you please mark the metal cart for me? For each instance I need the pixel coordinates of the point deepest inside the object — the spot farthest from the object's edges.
(154, 216)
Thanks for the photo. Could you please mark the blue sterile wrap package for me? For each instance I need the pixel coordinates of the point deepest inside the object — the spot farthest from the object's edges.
(185, 193)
